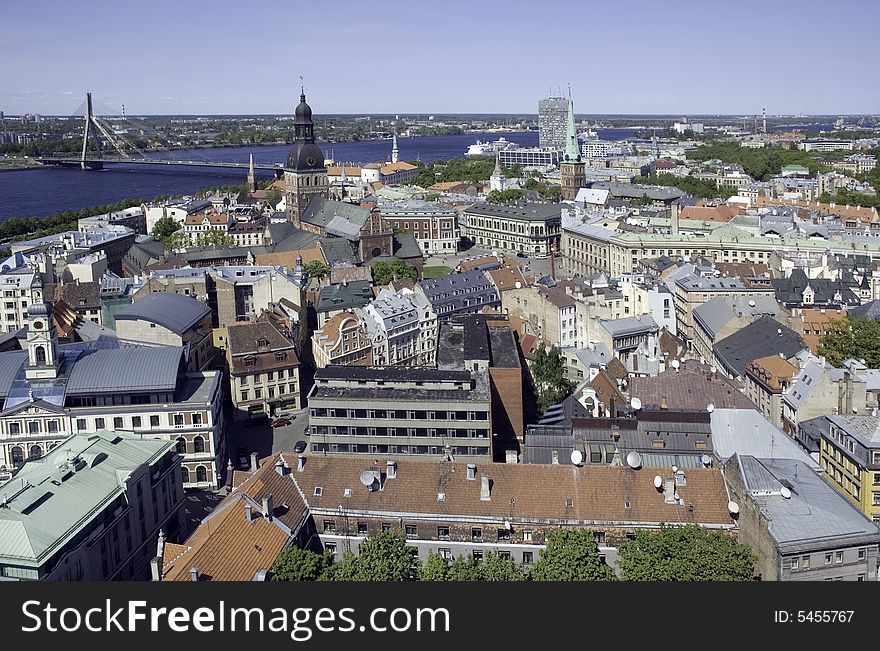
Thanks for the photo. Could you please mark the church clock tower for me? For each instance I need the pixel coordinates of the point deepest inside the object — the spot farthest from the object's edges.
(42, 340)
(305, 176)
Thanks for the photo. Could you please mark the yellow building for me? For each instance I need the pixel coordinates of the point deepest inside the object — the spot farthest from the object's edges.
(850, 455)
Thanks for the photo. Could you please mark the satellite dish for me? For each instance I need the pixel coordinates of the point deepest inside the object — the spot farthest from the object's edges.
(658, 482)
(367, 478)
(785, 493)
(733, 507)
(707, 460)
(674, 468)
(710, 407)
(634, 459)
(751, 303)
(635, 403)
(675, 364)
(577, 457)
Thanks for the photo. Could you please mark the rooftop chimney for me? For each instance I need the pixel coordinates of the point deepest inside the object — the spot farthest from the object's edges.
(485, 488)
(255, 463)
(471, 471)
(664, 404)
(300, 463)
(194, 574)
(391, 469)
(156, 569)
(268, 508)
(281, 467)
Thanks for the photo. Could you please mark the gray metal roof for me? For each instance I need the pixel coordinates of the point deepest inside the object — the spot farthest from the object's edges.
(127, 368)
(715, 313)
(747, 432)
(630, 325)
(760, 338)
(50, 500)
(176, 312)
(525, 211)
(356, 293)
(814, 516)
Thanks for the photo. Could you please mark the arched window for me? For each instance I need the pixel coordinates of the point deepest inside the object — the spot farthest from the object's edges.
(17, 454)
(40, 355)
(199, 444)
(185, 472)
(201, 474)
(36, 452)
(181, 445)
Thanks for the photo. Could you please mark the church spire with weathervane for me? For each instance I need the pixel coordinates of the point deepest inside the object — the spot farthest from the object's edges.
(42, 340)
(572, 169)
(305, 175)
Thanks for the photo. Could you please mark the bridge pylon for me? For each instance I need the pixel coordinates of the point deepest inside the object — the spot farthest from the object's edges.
(90, 131)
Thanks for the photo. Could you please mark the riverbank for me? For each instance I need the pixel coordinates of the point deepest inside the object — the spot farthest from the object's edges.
(18, 165)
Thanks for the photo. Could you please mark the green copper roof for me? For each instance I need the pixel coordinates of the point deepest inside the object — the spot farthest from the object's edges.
(572, 151)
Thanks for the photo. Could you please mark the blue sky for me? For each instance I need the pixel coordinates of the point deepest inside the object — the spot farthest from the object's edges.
(220, 56)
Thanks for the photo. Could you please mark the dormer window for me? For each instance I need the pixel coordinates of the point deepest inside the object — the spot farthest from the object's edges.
(250, 361)
(262, 342)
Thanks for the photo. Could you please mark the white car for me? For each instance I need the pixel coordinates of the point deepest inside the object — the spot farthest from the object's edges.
(540, 256)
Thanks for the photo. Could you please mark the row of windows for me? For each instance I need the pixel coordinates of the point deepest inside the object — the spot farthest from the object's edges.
(441, 432)
(35, 451)
(377, 448)
(34, 427)
(270, 393)
(119, 422)
(835, 558)
(397, 414)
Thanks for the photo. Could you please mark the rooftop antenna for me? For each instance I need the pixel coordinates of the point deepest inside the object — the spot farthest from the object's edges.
(302, 88)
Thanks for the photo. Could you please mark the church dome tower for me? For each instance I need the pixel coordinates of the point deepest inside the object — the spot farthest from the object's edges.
(42, 340)
(305, 175)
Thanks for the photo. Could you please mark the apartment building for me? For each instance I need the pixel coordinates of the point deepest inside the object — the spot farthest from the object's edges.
(434, 227)
(414, 411)
(342, 340)
(263, 369)
(402, 327)
(849, 453)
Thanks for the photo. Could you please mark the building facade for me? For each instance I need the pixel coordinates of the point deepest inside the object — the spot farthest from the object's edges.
(305, 175)
(528, 228)
(423, 411)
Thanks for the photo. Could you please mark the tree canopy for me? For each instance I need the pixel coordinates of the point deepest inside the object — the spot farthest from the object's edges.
(548, 372)
(317, 269)
(504, 196)
(760, 163)
(164, 228)
(296, 564)
(685, 553)
(214, 237)
(700, 188)
(852, 337)
(385, 272)
(571, 555)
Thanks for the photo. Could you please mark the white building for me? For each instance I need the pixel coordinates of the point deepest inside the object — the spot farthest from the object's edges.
(402, 327)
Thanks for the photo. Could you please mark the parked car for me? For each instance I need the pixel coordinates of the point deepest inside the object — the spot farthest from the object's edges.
(281, 422)
(520, 254)
(300, 447)
(540, 256)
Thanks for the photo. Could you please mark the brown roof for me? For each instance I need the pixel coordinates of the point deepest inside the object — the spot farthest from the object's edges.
(723, 213)
(519, 492)
(853, 212)
(670, 346)
(225, 546)
(351, 171)
(288, 258)
(772, 371)
(743, 269)
(693, 386)
(616, 369)
(606, 390)
(815, 320)
(331, 329)
(217, 219)
(467, 265)
(393, 168)
(349, 274)
(78, 295)
(173, 261)
(507, 277)
(243, 341)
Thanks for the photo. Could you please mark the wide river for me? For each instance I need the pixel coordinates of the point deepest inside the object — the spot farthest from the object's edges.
(44, 191)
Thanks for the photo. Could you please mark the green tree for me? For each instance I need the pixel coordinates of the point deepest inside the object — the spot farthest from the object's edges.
(548, 372)
(386, 556)
(504, 196)
(178, 240)
(317, 269)
(296, 564)
(164, 228)
(436, 568)
(464, 568)
(385, 272)
(344, 570)
(496, 568)
(571, 555)
(852, 337)
(685, 553)
(214, 237)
